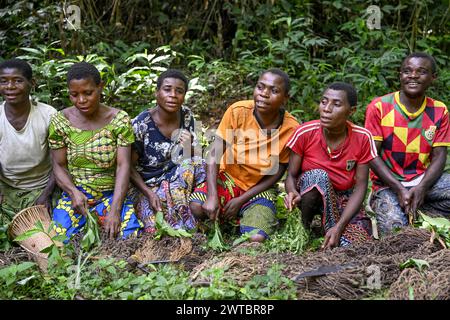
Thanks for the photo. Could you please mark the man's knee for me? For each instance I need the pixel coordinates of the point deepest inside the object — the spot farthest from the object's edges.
(389, 213)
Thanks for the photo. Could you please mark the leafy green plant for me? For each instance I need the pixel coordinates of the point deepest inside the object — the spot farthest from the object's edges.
(9, 275)
(163, 228)
(417, 263)
(292, 236)
(91, 230)
(4, 241)
(220, 287)
(439, 227)
(54, 254)
(244, 237)
(216, 241)
(272, 285)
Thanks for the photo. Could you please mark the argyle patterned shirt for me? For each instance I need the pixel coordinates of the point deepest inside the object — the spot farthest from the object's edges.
(407, 138)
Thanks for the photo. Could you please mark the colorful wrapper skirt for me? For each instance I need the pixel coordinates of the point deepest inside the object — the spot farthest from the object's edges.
(258, 213)
(69, 223)
(174, 196)
(359, 228)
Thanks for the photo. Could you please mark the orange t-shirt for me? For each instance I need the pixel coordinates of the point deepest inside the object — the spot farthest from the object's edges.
(253, 152)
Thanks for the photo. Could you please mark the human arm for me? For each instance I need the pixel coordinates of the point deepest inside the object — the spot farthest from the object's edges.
(64, 180)
(211, 205)
(293, 197)
(139, 183)
(432, 174)
(112, 220)
(45, 197)
(353, 205)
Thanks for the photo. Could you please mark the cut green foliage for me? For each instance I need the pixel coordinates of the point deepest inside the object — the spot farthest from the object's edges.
(291, 237)
(439, 227)
(244, 237)
(216, 242)
(91, 237)
(416, 263)
(163, 228)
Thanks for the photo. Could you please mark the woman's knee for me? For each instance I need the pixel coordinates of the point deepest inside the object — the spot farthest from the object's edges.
(196, 209)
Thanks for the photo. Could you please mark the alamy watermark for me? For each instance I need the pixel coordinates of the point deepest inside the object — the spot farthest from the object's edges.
(373, 281)
(258, 148)
(373, 21)
(72, 17)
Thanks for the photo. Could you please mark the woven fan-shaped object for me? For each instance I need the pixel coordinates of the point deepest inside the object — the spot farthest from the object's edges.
(25, 220)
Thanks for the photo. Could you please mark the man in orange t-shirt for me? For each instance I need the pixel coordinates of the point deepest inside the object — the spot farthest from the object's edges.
(250, 146)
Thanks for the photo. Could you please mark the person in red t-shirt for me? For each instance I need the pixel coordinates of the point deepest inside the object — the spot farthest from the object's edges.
(328, 169)
(411, 133)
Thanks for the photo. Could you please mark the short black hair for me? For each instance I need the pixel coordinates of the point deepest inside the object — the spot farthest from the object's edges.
(283, 75)
(83, 70)
(172, 73)
(423, 55)
(352, 96)
(20, 65)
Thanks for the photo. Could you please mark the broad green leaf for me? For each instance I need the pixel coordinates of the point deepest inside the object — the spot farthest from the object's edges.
(25, 265)
(40, 226)
(26, 235)
(47, 249)
(418, 263)
(184, 233)
(437, 222)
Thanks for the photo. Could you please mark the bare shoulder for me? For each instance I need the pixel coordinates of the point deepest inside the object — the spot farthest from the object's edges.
(110, 112)
(68, 113)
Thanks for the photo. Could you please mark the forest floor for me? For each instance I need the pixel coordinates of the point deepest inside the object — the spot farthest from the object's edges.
(368, 271)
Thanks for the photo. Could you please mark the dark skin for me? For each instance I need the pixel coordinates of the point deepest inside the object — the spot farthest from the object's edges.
(15, 89)
(89, 114)
(166, 115)
(269, 96)
(334, 111)
(416, 76)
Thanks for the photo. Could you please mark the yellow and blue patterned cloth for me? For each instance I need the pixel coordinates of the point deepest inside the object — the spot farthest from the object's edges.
(92, 164)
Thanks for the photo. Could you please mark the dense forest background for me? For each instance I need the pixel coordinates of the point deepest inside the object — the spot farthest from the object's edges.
(223, 45)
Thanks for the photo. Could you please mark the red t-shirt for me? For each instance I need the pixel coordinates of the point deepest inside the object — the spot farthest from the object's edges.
(358, 147)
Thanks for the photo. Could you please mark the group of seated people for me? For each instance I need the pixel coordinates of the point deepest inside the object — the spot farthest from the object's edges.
(126, 170)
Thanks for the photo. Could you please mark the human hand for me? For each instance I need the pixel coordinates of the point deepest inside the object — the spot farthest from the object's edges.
(292, 200)
(112, 224)
(154, 200)
(79, 203)
(332, 238)
(185, 139)
(211, 207)
(44, 200)
(404, 199)
(232, 207)
(417, 197)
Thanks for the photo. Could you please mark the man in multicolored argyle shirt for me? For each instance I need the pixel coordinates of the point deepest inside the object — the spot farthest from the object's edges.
(411, 132)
